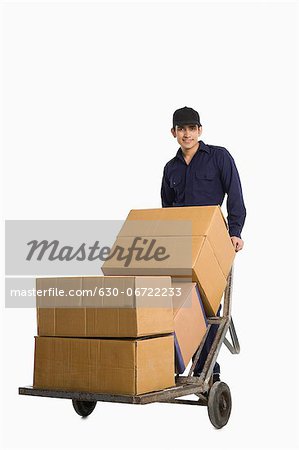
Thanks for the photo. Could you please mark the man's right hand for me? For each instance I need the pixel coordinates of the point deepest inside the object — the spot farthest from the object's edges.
(237, 243)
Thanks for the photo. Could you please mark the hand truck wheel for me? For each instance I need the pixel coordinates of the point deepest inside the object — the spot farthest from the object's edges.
(219, 404)
(83, 408)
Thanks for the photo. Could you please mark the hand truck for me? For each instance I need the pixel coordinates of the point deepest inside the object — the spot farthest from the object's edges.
(216, 396)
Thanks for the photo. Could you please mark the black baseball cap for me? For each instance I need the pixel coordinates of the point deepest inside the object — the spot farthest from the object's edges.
(185, 116)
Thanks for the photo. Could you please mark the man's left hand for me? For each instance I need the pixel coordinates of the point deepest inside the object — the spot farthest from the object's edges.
(237, 243)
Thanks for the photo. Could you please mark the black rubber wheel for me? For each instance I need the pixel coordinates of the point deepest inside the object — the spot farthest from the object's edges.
(83, 408)
(219, 404)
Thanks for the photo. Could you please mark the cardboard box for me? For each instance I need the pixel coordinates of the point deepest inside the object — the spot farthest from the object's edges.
(121, 315)
(197, 244)
(104, 365)
(190, 323)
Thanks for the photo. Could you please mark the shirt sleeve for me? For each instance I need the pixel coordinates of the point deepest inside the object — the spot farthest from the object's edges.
(167, 194)
(232, 186)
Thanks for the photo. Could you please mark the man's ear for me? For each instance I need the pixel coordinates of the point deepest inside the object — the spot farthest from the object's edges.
(199, 130)
(173, 132)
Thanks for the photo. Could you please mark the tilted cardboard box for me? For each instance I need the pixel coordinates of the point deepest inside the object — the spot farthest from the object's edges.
(197, 244)
(104, 365)
(190, 323)
(117, 312)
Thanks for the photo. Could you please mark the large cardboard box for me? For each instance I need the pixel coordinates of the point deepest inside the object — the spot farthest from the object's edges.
(190, 322)
(127, 307)
(197, 244)
(104, 365)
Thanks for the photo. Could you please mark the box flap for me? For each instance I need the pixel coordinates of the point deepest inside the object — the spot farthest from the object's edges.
(209, 276)
(182, 297)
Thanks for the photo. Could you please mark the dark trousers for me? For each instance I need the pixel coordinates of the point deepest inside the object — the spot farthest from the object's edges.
(206, 348)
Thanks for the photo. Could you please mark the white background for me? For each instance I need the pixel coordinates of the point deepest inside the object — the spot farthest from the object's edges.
(89, 92)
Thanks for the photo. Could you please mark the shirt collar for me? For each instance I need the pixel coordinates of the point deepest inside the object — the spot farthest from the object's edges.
(202, 147)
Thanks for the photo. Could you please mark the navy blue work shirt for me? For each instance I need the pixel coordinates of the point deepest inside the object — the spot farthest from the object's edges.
(210, 175)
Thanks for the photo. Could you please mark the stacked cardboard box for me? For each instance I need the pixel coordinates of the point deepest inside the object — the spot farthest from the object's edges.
(120, 313)
(121, 343)
(125, 343)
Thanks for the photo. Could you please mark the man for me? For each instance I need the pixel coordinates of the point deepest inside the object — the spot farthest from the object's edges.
(201, 175)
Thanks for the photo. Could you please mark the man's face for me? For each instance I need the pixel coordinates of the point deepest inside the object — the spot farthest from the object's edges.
(187, 135)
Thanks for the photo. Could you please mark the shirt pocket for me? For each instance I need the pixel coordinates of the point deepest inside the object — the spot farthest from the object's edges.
(205, 182)
(207, 175)
(175, 182)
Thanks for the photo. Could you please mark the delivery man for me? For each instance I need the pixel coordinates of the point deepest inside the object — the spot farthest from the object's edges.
(201, 175)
